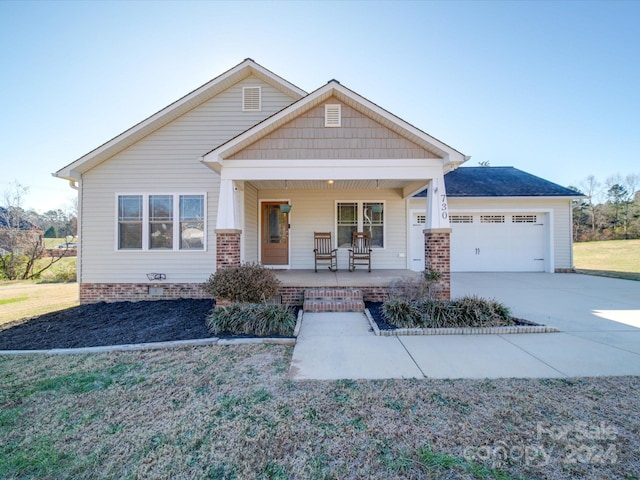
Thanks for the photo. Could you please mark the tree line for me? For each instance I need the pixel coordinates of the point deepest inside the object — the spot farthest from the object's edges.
(610, 209)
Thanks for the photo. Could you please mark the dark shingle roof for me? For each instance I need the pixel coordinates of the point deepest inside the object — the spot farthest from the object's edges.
(501, 182)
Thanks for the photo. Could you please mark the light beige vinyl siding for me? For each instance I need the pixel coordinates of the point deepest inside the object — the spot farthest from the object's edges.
(315, 211)
(358, 137)
(167, 161)
(561, 214)
(250, 229)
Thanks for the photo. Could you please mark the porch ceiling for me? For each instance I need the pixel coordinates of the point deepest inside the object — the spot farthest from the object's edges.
(324, 184)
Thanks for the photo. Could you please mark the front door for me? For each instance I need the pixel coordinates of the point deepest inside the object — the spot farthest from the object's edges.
(275, 234)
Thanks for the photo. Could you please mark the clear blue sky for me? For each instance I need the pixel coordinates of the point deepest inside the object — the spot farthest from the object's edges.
(552, 88)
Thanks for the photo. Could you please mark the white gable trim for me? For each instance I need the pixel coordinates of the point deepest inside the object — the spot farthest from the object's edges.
(173, 111)
(216, 157)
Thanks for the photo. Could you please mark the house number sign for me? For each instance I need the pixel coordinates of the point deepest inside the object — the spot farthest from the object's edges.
(443, 206)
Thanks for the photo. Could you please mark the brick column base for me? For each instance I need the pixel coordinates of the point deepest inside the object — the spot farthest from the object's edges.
(437, 258)
(227, 248)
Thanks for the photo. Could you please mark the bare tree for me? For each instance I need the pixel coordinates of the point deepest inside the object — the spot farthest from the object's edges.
(21, 242)
(592, 189)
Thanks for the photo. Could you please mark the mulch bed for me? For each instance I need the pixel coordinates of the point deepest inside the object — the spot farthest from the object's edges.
(375, 309)
(101, 324)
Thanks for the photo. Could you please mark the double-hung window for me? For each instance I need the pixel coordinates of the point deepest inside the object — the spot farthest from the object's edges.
(360, 217)
(161, 222)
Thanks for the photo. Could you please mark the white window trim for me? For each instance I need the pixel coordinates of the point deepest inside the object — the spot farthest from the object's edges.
(360, 227)
(145, 223)
(244, 90)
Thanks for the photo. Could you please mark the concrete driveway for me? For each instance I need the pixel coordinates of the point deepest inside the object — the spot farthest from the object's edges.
(598, 319)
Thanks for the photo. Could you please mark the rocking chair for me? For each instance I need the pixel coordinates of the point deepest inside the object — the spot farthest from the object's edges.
(360, 251)
(324, 250)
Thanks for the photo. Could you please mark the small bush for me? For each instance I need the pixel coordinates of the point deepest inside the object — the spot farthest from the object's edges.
(402, 313)
(246, 283)
(64, 274)
(252, 319)
(470, 311)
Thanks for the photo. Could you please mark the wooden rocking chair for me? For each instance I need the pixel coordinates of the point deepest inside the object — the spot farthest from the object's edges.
(360, 251)
(324, 250)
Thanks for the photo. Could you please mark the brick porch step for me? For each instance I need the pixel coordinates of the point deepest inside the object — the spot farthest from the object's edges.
(317, 300)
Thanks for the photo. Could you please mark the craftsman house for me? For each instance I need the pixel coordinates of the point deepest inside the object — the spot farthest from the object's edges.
(248, 166)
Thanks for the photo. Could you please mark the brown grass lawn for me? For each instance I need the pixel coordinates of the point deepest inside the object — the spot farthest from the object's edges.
(230, 412)
(26, 299)
(613, 258)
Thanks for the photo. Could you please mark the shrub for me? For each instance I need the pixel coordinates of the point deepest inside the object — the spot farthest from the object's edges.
(402, 313)
(415, 288)
(249, 282)
(469, 311)
(252, 319)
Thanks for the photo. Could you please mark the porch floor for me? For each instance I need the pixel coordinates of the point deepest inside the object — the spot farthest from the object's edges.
(342, 278)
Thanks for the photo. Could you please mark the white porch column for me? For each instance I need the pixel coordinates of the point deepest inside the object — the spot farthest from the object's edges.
(227, 206)
(437, 205)
(437, 241)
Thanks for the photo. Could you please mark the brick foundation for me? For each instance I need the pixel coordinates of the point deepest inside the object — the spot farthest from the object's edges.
(437, 258)
(565, 270)
(134, 292)
(227, 248)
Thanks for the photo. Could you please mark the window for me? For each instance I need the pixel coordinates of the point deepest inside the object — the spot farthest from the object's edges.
(191, 222)
(524, 219)
(373, 222)
(360, 217)
(130, 222)
(491, 218)
(461, 218)
(332, 115)
(251, 99)
(347, 223)
(161, 222)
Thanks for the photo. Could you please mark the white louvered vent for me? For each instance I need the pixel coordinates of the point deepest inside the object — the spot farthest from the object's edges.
(525, 219)
(332, 115)
(461, 219)
(251, 99)
(491, 218)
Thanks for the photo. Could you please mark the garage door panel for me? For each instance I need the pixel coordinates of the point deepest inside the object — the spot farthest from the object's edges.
(498, 242)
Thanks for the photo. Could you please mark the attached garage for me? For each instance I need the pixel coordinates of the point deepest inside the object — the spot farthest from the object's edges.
(502, 220)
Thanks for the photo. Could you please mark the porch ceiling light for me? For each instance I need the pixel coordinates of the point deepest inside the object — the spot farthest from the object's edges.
(330, 182)
(285, 207)
(377, 208)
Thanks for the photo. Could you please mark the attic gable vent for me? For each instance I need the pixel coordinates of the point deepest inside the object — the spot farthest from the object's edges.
(251, 99)
(332, 115)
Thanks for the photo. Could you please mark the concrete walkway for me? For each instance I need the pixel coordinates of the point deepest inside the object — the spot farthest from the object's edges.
(598, 319)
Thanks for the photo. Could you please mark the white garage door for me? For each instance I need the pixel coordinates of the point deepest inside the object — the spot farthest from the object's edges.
(498, 242)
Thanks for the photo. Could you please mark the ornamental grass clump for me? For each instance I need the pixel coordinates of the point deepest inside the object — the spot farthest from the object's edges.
(247, 283)
(259, 319)
(469, 311)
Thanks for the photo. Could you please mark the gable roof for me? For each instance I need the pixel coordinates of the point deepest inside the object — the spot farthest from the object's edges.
(193, 99)
(501, 182)
(452, 158)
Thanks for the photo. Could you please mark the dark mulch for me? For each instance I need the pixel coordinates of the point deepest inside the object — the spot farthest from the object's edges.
(110, 324)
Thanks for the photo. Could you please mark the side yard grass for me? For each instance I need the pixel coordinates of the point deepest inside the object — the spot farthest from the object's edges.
(612, 258)
(231, 413)
(25, 299)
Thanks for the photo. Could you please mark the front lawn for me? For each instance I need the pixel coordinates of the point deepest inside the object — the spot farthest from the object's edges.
(25, 299)
(612, 258)
(230, 412)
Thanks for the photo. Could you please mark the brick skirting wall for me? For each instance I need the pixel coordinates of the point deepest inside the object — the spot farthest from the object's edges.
(134, 292)
(295, 295)
(565, 270)
(437, 258)
(228, 248)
